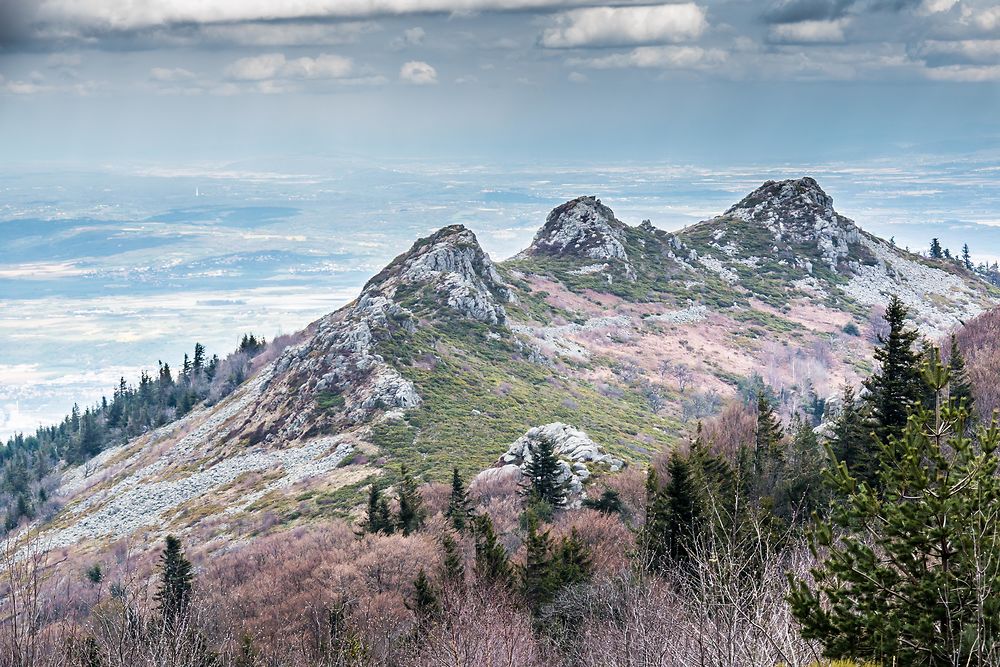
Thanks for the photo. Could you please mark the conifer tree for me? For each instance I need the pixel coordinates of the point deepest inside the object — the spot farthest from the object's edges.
(936, 252)
(452, 565)
(651, 541)
(909, 575)
(609, 502)
(768, 436)
(411, 513)
(176, 577)
(966, 257)
(572, 561)
(851, 442)
(538, 583)
(458, 502)
(374, 520)
(683, 507)
(423, 601)
(897, 386)
(544, 474)
(492, 566)
(959, 386)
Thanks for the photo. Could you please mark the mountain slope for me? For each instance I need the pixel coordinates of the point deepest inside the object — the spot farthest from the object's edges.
(446, 358)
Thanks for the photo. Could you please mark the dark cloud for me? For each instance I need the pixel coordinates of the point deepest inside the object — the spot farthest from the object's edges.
(15, 23)
(794, 11)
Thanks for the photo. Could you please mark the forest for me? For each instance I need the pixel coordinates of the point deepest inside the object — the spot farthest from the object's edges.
(756, 542)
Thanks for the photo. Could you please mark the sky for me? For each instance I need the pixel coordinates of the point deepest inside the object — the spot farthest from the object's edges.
(189, 170)
(709, 81)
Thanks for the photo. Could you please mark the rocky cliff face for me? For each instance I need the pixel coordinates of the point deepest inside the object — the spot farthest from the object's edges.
(799, 212)
(339, 377)
(583, 228)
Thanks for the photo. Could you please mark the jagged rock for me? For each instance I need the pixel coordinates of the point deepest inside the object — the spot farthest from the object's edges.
(339, 374)
(799, 211)
(576, 451)
(586, 228)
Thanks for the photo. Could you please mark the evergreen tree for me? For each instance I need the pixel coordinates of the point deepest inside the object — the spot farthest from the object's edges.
(176, 577)
(767, 438)
(374, 518)
(966, 257)
(684, 508)
(90, 437)
(423, 601)
(538, 583)
(198, 363)
(452, 565)
(492, 566)
(897, 386)
(909, 575)
(544, 474)
(851, 442)
(572, 561)
(651, 540)
(609, 502)
(458, 502)
(936, 252)
(959, 386)
(411, 513)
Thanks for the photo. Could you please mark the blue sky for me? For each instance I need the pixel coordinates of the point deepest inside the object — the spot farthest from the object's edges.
(709, 81)
(323, 136)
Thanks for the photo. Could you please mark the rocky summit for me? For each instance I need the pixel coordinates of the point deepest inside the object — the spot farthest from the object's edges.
(629, 333)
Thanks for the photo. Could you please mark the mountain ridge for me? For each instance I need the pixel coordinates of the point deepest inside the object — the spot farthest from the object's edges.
(624, 332)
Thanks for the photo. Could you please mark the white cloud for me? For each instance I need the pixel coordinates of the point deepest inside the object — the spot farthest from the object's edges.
(963, 73)
(276, 66)
(986, 51)
(418, 72)
(132, 15)
(809, 32)
(288, 34)
(410, 37)
(622, 26)
(659, 57)
(577, 77)
(165, 74)
(987, 19)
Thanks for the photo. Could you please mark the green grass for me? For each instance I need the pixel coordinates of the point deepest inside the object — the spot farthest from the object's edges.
(480, 394)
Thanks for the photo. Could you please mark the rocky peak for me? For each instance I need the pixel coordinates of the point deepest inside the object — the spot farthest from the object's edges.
(799, 211)
(584, 227)
(453, 264)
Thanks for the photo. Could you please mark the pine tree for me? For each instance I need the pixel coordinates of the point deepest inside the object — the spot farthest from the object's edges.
(458, 502)
(492, 566)
(423, 601)
(609, 502)
(959, 386)
(411, 513)
(768, 436)
(966, 257)
(198, 363)
(909, 575)
(684, 508)
(374, 518)
(544, 474)
(452, 565)
(851, 442)
(572, 561)
(651, 542)
(897, 386)
(176, 577)
(538, 583)
(936, 252)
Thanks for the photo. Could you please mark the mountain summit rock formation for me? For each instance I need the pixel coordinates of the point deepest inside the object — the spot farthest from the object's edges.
(625, 334)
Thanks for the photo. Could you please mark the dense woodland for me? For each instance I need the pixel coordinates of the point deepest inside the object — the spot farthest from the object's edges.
(759, 542)
(30, 464)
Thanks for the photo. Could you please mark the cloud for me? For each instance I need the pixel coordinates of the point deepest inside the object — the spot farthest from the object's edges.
(809, 32)
(577, 77)
(410, 37)
(657, 57)
(624, 26)
(965, 74)
(287, 34)
(167, 74)
(937, 53)
(796, 11)
(418, 72)
(117, 15)
(276, 66)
